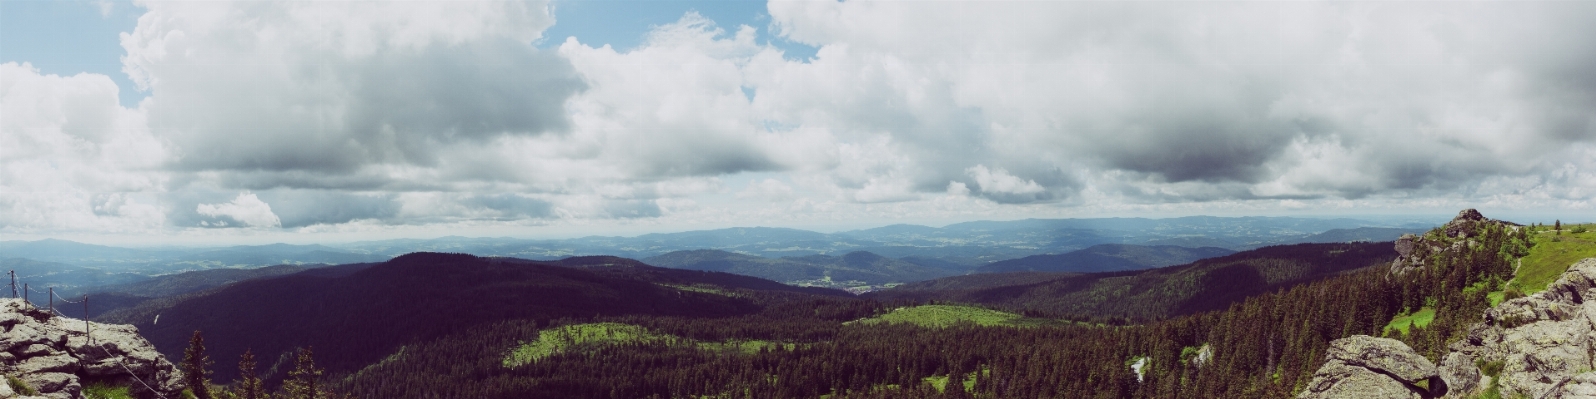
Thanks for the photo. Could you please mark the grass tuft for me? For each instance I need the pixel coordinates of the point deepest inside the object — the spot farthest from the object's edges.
(106, 391)
(20, 387)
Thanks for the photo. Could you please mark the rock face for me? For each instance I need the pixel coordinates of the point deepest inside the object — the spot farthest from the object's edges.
(55, 357)
(1464, 223)
(1367, 367)
(1413, 251)
(1542, 344)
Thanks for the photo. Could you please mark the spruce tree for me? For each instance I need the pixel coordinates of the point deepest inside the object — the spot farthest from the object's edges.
(1558, 226)
(195, 362)
(249, 387)
(301, 383)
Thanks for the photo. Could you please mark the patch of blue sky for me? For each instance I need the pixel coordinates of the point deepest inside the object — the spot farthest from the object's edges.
(623, 24)
(68, 37)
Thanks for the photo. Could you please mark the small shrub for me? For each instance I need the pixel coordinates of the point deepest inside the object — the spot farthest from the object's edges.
(1491, 369)
(20, 387)
(106, 391)
(1578, 230)
(1512, 293)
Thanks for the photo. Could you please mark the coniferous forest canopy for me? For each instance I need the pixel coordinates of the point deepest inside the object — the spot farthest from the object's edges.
(1252, 324)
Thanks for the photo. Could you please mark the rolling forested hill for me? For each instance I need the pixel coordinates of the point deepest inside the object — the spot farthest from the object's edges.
(851, 269)
(1205, 285)
(1250, 324)
(1106, 258)
(358, 318)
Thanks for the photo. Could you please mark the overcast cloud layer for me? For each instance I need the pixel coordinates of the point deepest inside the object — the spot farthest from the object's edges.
(270, 117)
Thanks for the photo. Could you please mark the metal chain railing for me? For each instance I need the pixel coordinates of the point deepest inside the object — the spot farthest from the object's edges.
(88, 338)
(114, 358)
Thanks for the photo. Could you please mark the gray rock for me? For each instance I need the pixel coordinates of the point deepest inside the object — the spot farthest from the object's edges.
(33, 350)
(1361, 366)
(1465, 223)
(1340, 380)
(55, 363)
(1382, 354)
(1579, 386)
(52, 383)
(53, 354)
(1406, 244)
(1460, 374)
(1545, 342)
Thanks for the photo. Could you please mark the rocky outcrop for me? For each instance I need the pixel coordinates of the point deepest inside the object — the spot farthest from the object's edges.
(1540, 346)
(54, 356)
(1367, 367)
(1413, 251)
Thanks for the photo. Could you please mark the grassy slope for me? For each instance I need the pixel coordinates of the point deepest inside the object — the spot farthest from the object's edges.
(1551, 256)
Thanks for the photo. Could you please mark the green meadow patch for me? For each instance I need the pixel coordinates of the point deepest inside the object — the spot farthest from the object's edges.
(1551, 256)
(702, 288)
(1405, 321)
(948, 315)
(578, 337)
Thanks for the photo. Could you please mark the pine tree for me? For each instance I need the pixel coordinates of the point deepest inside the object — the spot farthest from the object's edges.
(249, 387)
(1558, 225)
(301, 383)
(195, 362)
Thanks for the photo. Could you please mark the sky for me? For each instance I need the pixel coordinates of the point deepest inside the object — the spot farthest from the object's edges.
(302, 121)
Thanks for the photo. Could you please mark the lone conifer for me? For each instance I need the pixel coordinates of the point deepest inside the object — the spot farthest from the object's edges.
(249, 386)
(301, 383)
(195, 362)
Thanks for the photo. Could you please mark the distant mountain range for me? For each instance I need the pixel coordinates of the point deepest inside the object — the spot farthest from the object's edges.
(1106, 258)
(969, 244)
(852, 269)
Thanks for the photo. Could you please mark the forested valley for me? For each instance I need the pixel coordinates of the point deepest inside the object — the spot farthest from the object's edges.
(459, 326)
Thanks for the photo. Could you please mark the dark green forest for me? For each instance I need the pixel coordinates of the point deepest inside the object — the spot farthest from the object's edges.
(458, 326)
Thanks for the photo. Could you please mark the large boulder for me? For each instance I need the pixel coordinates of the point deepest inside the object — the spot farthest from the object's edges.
(56, 355)
(1361, 366)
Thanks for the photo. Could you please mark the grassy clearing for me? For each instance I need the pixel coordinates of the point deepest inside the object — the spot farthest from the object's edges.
(558, 339)
(574, 337)
(707, 289)
(1551, 256)
(947, 315)
(940, 382)
(1405, 321)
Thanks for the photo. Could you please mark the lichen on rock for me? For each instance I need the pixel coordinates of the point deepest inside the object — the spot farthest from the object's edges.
(1361, 366)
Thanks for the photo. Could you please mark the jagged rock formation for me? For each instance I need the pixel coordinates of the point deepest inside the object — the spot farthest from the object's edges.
(1413, 250)
(1361, 366)
(54, 356)
(1540, 346)
(1544, 345)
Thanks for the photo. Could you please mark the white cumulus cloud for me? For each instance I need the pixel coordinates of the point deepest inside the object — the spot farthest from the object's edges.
(246, 209)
